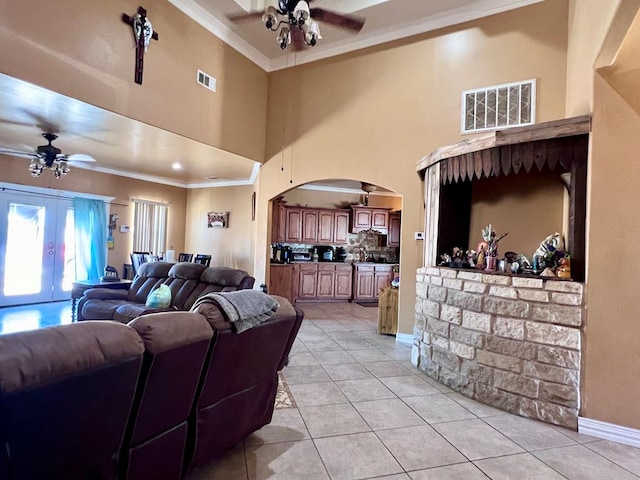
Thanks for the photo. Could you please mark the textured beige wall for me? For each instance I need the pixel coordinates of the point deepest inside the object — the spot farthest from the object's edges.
(529, 207)
(612, 360)
(371, 115)
(228, 247)
(15, 170)
(84, 50)
(589, 22)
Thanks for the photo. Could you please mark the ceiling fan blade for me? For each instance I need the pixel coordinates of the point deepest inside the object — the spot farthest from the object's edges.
(79, 157)
(297, 39)
(16, 153)
(244, 17)
(348, 22)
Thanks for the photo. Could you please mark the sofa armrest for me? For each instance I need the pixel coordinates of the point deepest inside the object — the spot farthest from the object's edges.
(106, 294)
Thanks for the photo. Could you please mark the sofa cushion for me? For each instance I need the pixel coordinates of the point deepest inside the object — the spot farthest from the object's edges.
(98, 309)
(127, 312)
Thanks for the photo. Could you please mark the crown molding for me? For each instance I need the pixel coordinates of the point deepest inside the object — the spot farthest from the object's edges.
(326, 188)
(482, 8)
(49, 192)
(230, 183)
(173, 183)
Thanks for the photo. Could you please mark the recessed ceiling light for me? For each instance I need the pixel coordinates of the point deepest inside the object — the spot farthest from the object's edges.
(176, 166)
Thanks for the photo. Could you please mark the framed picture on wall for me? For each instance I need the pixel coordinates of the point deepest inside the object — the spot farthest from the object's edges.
(217, 220)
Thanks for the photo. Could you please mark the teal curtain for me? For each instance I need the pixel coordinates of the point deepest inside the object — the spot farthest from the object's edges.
(90, 218)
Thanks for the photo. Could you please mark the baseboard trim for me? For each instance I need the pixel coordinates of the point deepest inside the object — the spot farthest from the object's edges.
(609, 431)
(404, 338)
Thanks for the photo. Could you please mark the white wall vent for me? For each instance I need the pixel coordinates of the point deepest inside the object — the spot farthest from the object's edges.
(206, 80)
(498, 107)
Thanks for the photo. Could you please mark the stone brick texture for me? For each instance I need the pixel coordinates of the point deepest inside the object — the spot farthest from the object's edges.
(509, 342)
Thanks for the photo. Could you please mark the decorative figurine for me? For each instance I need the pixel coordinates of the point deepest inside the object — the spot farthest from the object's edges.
(489, 236)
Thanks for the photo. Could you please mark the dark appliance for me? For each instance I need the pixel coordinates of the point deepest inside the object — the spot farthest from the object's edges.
(287, 254)
(341, 254)
(326, 254)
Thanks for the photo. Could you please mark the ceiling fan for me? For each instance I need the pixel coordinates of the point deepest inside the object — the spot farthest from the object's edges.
(48, 156)
(298, 22)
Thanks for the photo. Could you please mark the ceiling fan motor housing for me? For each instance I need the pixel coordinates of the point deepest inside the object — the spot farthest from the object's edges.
(49, 153)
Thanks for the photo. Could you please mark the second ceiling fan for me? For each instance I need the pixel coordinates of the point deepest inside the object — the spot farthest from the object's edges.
(298, 23)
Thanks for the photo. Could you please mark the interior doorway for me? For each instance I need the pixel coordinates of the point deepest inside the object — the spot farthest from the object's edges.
(36, 248)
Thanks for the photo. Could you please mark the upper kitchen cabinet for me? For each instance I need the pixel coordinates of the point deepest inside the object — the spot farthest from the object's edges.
(309, 226)
(370, 219)
(301, 225)
(333, 226)
(293, 225)
(393, 238)
(278, 221)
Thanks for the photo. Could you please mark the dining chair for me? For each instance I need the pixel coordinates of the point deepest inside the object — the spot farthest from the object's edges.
(137, 259)
(185, 257)
(202, 259)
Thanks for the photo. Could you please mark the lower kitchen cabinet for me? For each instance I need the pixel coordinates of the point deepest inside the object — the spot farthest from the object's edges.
(369, 279)
(283, 281)
(324, 281)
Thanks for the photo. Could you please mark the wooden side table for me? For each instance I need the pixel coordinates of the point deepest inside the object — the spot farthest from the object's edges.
(79, 287)
(388, 311)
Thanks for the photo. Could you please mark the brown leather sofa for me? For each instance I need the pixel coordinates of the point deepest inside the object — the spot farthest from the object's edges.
(187, 282)
(151, 399)
(65, 398)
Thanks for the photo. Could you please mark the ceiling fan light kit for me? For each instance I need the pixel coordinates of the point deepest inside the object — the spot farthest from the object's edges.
(273, 18)
(48, 157)
(294, 22)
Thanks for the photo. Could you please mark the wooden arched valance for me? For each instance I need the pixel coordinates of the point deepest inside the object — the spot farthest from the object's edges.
(555, 145)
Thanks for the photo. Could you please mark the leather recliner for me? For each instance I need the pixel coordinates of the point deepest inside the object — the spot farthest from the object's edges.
(176, 344)
(65, 396)
(187, 282)
(238, 391)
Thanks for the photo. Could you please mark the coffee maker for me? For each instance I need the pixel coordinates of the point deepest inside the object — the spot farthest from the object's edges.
(341, 254)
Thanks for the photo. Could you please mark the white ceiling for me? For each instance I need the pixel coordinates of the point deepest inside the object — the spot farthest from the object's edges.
(127, 147)
(385, 20)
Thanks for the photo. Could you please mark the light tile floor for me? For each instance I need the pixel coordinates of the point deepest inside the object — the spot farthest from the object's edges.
(365, 413)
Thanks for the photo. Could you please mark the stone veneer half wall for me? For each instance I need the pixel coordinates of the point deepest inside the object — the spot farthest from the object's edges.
(509, 342)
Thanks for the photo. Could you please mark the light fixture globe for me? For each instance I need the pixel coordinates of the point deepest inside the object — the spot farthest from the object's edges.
(367, 187)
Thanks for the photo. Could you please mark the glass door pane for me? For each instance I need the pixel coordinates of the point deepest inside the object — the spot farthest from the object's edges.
(64, 272)
(24, 250)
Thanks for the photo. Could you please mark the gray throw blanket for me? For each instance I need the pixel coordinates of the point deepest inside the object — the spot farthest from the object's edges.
(243, 308)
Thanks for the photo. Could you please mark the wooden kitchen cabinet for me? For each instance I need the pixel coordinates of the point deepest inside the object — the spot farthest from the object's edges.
(366, 218)
(369, 279)
(326, 226)
(343, 282)
(278, 221)
(307, 281)
(309, 225)
(340, 227)
(393, 238)
(293, 230)
(363, 282)
(324, 281)
(283, 281)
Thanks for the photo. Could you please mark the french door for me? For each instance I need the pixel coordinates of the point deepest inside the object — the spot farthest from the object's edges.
(36, 249)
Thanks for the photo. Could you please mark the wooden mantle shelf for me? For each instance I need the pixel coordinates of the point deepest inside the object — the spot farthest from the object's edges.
(469, 150)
